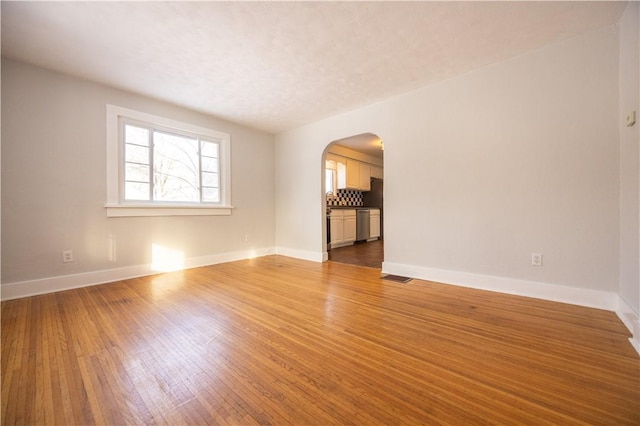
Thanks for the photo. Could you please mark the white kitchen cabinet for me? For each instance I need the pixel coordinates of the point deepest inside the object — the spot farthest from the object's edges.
(349, 226)
(342, 223)
(374, 224)
(353, 174)
(365, 177)
(335, 227)
(342, 173)
(377, 172)
(358, 175)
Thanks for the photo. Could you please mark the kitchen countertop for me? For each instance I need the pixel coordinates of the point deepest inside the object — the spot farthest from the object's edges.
(329, 208)
(350, 207)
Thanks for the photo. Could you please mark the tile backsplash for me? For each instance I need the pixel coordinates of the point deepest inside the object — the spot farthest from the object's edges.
(345, 197)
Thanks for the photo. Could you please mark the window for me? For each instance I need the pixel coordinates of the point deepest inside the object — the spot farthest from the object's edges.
(158, 167)
(330, 178)
(167, 166)
(336, 168)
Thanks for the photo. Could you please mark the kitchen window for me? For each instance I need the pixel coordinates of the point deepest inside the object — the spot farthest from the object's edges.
(330, 178)
(160, 167)
(330, 181)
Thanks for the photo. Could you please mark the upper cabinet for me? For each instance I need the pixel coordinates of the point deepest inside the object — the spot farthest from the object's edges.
(376, 172)
(358, 175)
(365, 177)
(342, 173)
(352, 174)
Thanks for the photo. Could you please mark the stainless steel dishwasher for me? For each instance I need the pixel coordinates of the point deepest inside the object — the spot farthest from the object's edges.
(362, 225)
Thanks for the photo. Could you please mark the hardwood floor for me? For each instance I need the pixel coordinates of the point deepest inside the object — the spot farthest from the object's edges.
(369, 254)
(281, 341)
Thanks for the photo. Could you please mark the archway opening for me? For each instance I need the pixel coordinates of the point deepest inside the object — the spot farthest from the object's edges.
(353, 200)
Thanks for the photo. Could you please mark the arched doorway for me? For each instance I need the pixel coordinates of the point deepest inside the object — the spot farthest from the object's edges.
(352, 192)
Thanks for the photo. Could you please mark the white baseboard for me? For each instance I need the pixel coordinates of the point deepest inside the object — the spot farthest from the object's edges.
(631, 320)
(553, 292)
(558, 293)
(20, 289)
(300, 254)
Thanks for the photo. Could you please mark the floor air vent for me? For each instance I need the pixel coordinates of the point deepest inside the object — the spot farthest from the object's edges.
(396, 278)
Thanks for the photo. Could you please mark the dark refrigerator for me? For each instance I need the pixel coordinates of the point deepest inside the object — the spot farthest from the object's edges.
(373, 198)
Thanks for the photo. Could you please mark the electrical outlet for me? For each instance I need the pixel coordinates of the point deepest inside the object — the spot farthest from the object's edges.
(67, 256)
(536, 259)
(246, 238)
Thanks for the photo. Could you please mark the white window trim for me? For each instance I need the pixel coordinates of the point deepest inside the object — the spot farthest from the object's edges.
(117, 207)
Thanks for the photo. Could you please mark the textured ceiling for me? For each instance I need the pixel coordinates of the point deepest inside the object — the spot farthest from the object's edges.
(278, 65)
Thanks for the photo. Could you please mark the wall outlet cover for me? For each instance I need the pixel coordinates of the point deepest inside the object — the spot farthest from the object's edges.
(536, 259)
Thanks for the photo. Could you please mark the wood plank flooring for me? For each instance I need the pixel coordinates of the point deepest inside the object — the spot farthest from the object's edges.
(370, 254)
(281, 341)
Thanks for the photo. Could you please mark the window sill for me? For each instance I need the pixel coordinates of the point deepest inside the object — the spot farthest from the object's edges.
(133, 210)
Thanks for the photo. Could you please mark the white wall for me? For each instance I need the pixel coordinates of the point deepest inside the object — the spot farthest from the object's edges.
(54, 188)
(484, 169)
(629, 163)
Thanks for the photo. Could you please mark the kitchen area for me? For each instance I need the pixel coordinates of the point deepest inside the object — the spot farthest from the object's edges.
(354, 201)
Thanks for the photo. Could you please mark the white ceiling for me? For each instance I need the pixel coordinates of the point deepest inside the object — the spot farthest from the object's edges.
(275, 66)
(366, 143)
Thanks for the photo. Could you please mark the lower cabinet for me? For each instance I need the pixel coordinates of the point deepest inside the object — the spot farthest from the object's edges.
(374, 224)
(349, 226)
(335, 227)
(342, 223)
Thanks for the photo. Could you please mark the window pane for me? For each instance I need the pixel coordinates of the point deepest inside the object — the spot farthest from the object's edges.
(136, 154)
(210, 179)
(136, 135)
(328, 183)
(136, 172)
(176, 170)
(211, 195)
(209, 164)
(209, 149)
(136, 191)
